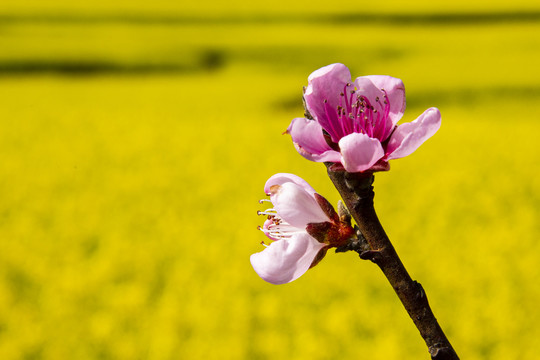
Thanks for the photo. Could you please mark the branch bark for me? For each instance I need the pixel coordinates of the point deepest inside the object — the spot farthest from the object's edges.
(357, 192)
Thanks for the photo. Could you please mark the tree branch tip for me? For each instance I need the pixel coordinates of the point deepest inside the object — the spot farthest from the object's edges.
(372, 243)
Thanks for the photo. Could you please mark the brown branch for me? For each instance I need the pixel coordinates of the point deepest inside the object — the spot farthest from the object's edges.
(357, 192)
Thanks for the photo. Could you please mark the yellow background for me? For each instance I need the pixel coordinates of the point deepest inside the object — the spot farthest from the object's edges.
(136, 137)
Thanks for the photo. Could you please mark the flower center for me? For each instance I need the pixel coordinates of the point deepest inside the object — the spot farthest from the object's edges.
(357, 114)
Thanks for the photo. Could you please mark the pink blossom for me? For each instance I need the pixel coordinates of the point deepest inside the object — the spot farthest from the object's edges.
(355, 123)
(301, 226)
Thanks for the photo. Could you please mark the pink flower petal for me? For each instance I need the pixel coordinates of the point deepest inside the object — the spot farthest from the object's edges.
(308, 139)
(409, 136)
(282, 178)
(360, 152)
(368, 86)
(286, 260)
(297, 206)
(396, 94)
(326, 83)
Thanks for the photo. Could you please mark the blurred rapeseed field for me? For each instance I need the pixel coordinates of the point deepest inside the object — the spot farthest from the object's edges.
(136, 138)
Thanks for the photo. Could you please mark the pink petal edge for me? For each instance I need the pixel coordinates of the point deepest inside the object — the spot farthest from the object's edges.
(360, 152)
(282, 178)
(286, 260)
(308, 139)
(409, 136)
(326, 83)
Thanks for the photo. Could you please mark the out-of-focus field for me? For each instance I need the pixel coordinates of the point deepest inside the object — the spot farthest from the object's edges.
(136, 137)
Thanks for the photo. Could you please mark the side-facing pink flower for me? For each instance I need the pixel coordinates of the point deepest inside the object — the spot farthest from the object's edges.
(355, 123)
(302, 226)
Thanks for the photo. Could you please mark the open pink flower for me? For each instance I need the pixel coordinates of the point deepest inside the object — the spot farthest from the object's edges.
(302, 225)
(355, 123)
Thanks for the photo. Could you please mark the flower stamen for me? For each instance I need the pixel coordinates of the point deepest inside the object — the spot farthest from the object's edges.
(269, 212)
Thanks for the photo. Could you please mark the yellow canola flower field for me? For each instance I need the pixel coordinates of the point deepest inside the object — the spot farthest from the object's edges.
(135, 141)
